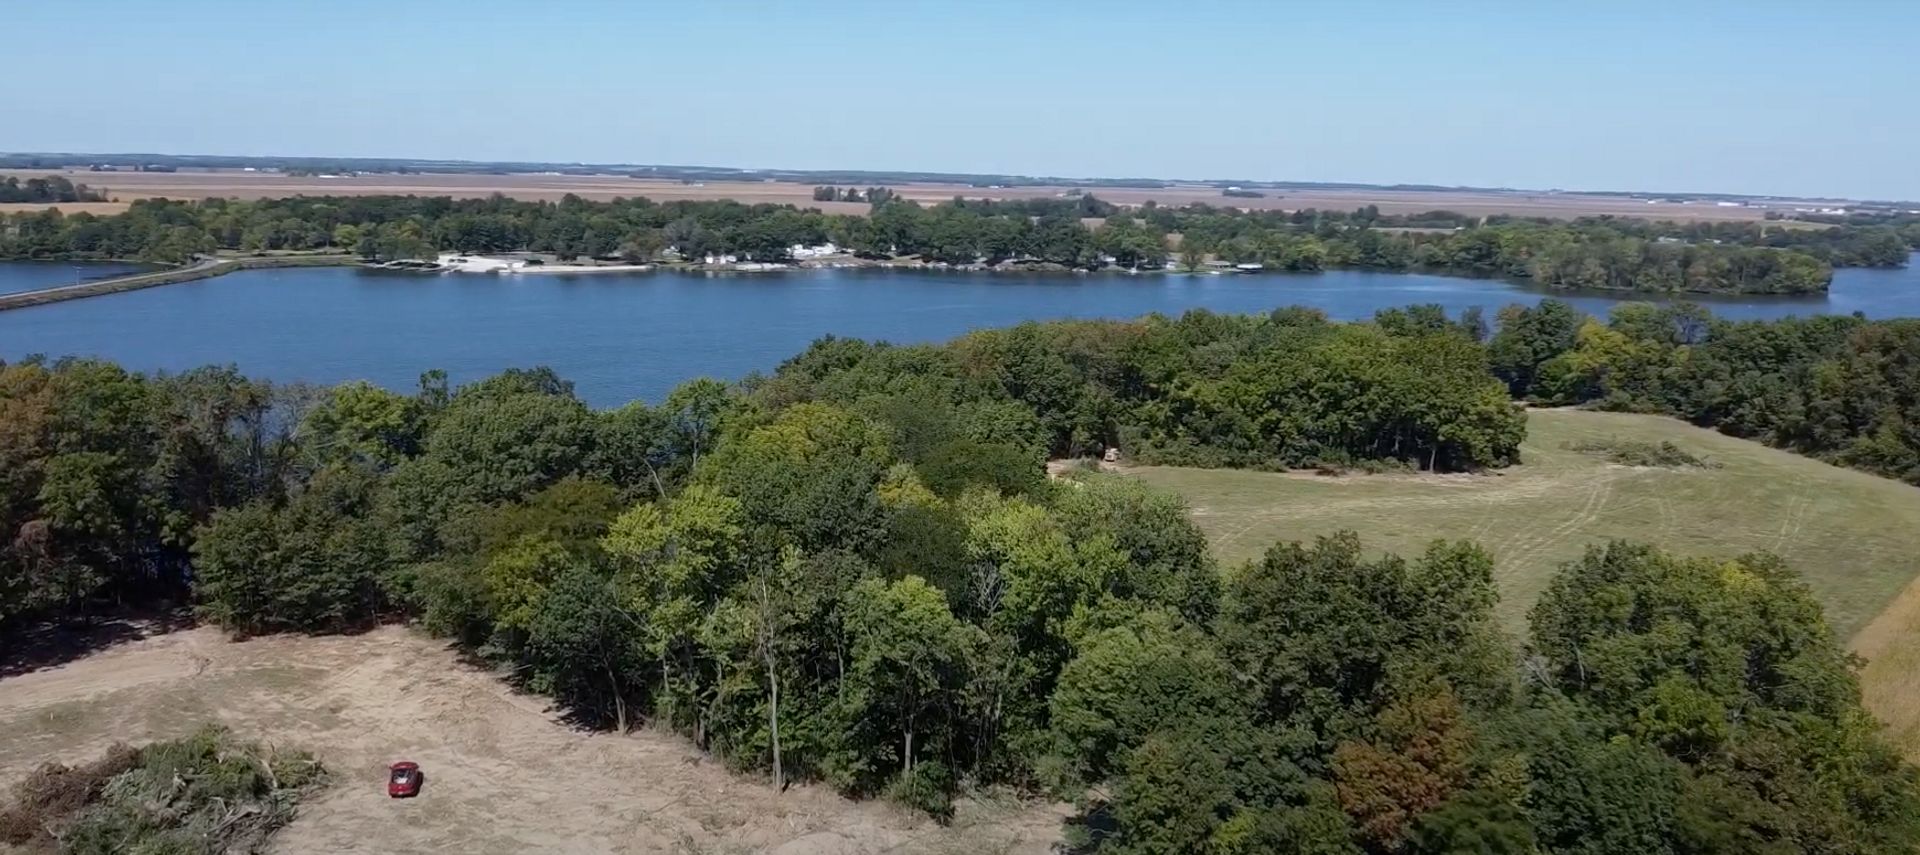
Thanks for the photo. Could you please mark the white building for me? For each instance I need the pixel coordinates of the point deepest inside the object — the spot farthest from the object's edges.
(822, 250)
(461, 263)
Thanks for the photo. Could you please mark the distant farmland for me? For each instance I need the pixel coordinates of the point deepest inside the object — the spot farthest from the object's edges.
(127, 186)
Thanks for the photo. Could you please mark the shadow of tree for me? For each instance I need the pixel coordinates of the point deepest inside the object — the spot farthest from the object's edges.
(55, 642)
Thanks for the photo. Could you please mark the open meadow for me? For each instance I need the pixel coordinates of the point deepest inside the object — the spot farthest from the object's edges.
(502, 775)
(125, 187)
(1854, 537)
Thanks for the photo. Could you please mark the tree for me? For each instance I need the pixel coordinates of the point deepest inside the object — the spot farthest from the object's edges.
(360, 423)
(236, 555)
(1127, 684)
(1477, 822)
(673, 561)
(1173, 799)
(1528, 338)
(1322, 635)
(582, 645)
(503, 447)
(908, 664)
(1729, 668)
(642, 246)
(1417, 764)
(346, 236)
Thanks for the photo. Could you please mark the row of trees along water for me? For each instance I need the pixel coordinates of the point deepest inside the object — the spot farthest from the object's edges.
(1082, 232)
(853, 571)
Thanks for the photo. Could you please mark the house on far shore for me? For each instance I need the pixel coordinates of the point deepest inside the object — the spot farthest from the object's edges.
(461, 263)
(819, 251)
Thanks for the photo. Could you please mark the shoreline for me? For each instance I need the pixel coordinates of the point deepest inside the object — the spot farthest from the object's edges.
(210, 267)
(205, 268)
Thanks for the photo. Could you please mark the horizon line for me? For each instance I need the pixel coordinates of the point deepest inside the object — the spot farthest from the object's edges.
(936, 175)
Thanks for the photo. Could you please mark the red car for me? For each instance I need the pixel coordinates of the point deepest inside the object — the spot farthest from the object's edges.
(403, 780)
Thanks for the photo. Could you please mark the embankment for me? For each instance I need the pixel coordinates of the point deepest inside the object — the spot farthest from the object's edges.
(203, 269)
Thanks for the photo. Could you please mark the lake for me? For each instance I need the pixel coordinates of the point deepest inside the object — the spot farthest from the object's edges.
(626, 336)
(17, 276)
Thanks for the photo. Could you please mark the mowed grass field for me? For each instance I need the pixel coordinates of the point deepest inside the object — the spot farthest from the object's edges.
(1855, 538)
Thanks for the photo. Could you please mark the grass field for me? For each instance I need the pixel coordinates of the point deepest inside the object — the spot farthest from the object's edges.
(1854, 537)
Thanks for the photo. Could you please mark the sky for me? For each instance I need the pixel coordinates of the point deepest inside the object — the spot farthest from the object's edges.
(1761, 97)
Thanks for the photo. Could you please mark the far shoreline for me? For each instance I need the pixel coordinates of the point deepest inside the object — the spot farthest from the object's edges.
(211, 266)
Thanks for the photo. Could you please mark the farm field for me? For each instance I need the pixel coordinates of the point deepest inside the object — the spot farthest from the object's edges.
(501, 774)
(1855, 538)
(96, 208)
(126, 186)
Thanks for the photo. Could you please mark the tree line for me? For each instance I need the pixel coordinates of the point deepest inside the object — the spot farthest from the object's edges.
(1076, 232)
(106, 474)
(36, 191)
(854, 571)
(871, 195)
(1840, 388)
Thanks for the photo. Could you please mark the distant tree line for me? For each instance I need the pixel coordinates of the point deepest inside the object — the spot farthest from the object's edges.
(853, 571)
(1843, 389)
(872, 195)
(47, 190)
(1885, 241)
(1079, 231)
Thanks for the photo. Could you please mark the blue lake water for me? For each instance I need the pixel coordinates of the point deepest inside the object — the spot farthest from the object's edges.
(621, 337)
(18, 276)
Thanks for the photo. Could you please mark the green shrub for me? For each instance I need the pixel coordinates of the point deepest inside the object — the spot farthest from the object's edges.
(929, 787)
(1663, 455)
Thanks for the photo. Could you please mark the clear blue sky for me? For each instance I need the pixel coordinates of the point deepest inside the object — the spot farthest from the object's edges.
(1762, 96)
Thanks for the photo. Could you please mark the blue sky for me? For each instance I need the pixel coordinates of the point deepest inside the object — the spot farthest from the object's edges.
(1758, 97)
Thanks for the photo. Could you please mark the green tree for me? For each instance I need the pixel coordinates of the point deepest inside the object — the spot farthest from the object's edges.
(907, 666)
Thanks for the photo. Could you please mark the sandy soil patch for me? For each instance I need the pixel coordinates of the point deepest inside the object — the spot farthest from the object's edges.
(501, 774)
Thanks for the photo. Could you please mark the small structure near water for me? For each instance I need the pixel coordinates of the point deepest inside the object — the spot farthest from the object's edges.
(460, 262)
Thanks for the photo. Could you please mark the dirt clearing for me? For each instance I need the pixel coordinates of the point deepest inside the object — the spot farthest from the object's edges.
(501, 774)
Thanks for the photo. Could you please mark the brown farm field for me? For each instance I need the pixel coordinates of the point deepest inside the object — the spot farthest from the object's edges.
(96, 208)
(127, 186)
(501, 774)
(1854, 537)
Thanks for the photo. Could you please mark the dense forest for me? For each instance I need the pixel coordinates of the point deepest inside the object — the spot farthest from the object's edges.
(1077, 232)
(37, 191)
(854, 571)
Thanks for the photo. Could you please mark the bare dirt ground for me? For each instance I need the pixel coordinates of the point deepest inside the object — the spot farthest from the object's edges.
(501, 774)
(126, 186)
